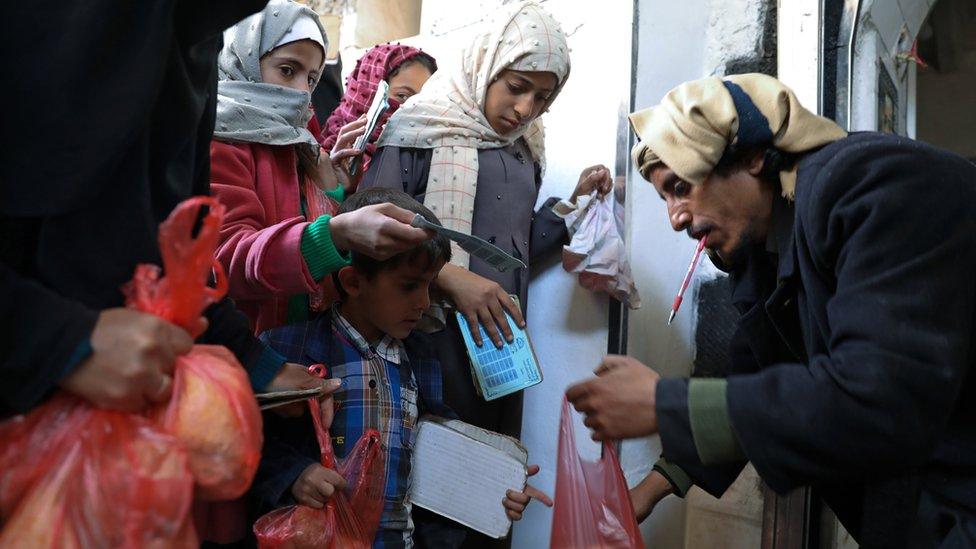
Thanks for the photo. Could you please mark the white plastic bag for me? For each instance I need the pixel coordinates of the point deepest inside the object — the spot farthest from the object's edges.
(597, 250)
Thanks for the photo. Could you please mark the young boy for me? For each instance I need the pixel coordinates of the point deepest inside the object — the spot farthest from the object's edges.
(390, 376)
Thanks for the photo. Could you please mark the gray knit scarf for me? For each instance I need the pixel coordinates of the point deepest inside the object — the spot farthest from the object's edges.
(248, 109)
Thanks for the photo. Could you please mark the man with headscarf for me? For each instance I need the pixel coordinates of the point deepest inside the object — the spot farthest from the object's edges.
(109, 125)
(850, 259)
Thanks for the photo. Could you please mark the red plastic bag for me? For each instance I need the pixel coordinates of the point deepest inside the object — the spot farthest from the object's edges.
(214, 413)
(95, 478)
(213, 410)
(350, 518)
(592, 506)
(99, 478)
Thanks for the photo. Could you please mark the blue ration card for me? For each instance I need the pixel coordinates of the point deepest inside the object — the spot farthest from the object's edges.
(500, 372)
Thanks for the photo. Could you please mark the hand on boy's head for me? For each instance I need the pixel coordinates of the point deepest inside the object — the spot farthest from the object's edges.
(379, 231)
(316, 485)
(516, 502)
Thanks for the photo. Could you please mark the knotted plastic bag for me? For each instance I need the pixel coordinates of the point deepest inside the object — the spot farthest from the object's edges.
(72, 475)
(592, 506)
(350, 518)
(597, 250)
(213, 410)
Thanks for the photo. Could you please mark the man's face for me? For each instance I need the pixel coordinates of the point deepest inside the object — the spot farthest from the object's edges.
(392, 301)
(733, 210)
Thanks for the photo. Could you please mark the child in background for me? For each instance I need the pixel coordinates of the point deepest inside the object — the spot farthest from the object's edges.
(390, 377)
(404, 68)
(266, 168)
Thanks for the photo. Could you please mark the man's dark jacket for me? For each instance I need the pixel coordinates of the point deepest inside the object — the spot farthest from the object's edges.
(111, 111)
(854, 353)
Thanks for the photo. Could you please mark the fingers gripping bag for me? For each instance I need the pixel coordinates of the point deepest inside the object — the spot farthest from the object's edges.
(592, 505)
(213, 410)
(95, 478)
(350, 518)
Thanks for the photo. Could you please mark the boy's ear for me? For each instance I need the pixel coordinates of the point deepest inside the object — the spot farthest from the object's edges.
(351, 280)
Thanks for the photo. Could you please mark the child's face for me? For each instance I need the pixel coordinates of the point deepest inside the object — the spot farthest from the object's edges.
(295, 65)
(392, 301)
(516, 98)
(408, 81)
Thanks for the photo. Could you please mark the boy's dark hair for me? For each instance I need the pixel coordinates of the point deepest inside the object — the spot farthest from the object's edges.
(774, 161)
(432, 251)
(422, 58)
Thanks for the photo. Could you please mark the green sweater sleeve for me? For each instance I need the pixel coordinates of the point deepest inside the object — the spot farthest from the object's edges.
(679, 480)
(319, 251)
(711, 428)
(338, 194)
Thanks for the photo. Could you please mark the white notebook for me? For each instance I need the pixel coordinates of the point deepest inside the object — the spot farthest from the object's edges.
(462, 472)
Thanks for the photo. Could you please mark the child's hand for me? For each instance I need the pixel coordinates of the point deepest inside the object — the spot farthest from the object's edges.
(595, 178)
(480, 300)
(515, 502)
(316, 485)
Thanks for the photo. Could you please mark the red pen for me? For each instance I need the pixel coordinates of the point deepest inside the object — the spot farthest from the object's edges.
(684, 285)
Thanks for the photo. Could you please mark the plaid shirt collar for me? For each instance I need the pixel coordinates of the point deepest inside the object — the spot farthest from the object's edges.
(389, 348)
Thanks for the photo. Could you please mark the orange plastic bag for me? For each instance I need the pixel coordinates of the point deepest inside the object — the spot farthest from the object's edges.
(592, 506)
(214, 413)
(350, 518)
(95, 478)
(213, 410)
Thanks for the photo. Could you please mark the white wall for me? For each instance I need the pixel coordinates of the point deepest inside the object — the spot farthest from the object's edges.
(670, 52)
(569, 324)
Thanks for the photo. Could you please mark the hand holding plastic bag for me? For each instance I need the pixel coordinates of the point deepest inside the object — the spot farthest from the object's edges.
(213, 410)
(597, 250)
(592, 505)
(350, 518)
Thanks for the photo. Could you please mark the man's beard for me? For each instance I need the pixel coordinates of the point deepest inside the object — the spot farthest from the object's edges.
(749, 239)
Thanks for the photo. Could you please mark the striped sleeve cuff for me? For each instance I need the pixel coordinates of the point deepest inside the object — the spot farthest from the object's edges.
(679, 480)
(319, 250)
(711, 428)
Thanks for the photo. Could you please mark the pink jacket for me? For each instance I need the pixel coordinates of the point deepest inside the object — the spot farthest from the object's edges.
(260, 240)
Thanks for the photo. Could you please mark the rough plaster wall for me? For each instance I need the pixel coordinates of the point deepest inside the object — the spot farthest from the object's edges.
(741, 37)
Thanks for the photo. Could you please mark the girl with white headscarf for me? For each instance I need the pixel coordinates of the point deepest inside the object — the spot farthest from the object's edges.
(265, 167)
(471, 147)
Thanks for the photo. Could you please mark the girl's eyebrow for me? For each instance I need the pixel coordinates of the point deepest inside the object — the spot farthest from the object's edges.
(290, 59)
(530, 83)
(406, 89)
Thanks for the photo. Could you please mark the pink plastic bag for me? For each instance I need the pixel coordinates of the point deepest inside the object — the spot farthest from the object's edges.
(592, 505)
(350, 518)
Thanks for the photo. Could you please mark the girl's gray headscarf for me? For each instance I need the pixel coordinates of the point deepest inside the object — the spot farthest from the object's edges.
(248, 109)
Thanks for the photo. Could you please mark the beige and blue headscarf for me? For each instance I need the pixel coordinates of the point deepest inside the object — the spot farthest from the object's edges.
(448, 113)
(693, 125)
(248, 109)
